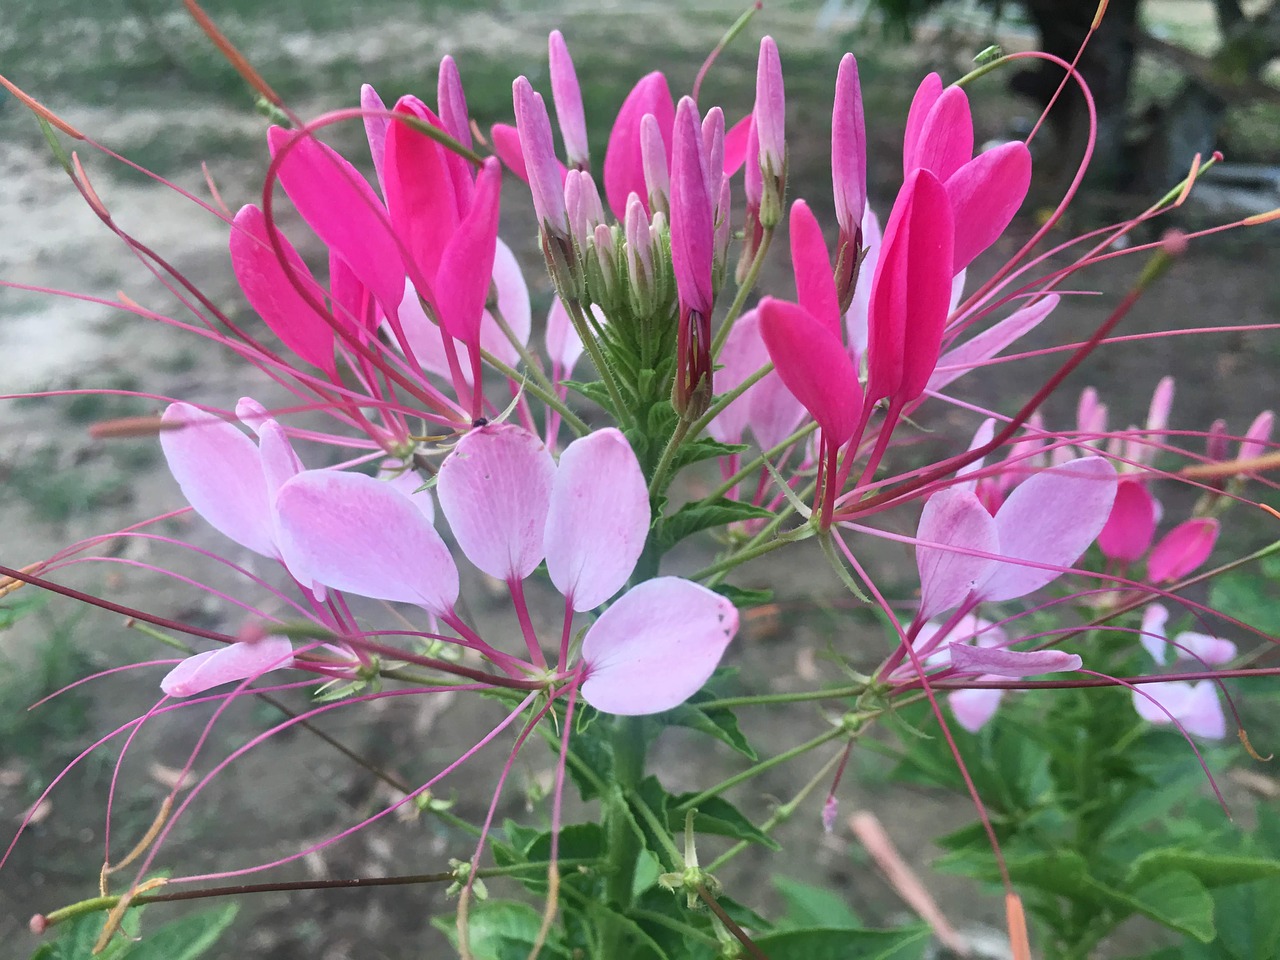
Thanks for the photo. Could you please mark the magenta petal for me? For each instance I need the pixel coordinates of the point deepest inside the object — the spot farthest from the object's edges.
(341, 207)
(375, 127)
(958, 361)
(235, 661)
(220, 473)
(598, 520)
(973, 708)
(466, 264)
(421, 195)
(737, 141)
(985, 194)
(359, 535)
(945, 143)
(451, 102)
(926, 96)
(812, 362)
(656, 646)
(1011, 663)
(1132, 522)
(1050, 519)
(692, 222)
(270, 291)
(811, 263)
(956, 518)
(506, 145)
(623, 161)
(1182, 550)
(495, 490)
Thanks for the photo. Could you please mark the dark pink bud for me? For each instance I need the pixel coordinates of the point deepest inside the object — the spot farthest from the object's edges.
(568, 101)
(653, 157)
(1258, 436)
(692, 227)
(848, 149)
(1215, 442)
(1183, 549)
(1131, 525)
(771, 108)
(582, 204)
(546, 182)
(623, 162)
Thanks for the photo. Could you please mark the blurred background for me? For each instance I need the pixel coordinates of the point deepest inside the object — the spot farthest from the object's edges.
(1171, 78)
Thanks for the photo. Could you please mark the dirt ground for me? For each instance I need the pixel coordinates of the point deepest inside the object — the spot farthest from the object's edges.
(296, 789)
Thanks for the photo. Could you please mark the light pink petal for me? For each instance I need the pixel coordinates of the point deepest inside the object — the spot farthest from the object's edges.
(1154, 618)
(986, 193)
(375, 128)
(235, 661)
(1011, 663)
(340, 206)
(911, 291)
(1202, 712)
(1215, 651)
(1257, 437)
(1050, 519)
(768, 408)
(623, 163)
(1172, 695)
(359, 535)
(424, 336)
(252, 414)
(958, 361)
(771, 108)
(506, 145)
(855, 319)
(926, 96)
(598, 520)
(956, 518)
(564, 346)
(848, 147)
(279, 462)
(495, 490)
(546, 173)
(1132, 523)
(812, 362)
(1182, 550)
(409, 483)
(513, 304)
(655, 648)
(219, 471)
(986, 430)
(270, 291)
(811, 263)
(568, 100)
(945, 142)
(973, 708)
(451, 101)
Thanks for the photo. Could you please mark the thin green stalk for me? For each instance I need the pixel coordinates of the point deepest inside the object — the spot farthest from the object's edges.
(531, 362)
(764, 699)
(661, 831)
(762, 766)
(740, 299)
(738, 557)
(759, 462)
(723, 403)
(571, 419)
(782, 814)
(592, 345)
(657, 484)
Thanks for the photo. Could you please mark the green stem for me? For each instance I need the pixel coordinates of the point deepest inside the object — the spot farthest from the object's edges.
(571, 419)
(739, 300)
(831, 693)
(531, 362)
(759, 462)
(592, 345)
(658, 483)
(738, 557)
(762, 766)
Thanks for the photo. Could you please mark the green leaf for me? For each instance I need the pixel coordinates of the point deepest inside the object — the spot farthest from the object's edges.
(648, 869)
(593, 390)
(1211, 869)
(75, 939)
(1252, 595)
(718, 816)
(700, 515)
(1180, 902)
(187, 937)
(839, 944)
(812, 906)
(502, 930)
(721, 724)
(744, 598)
(704, 448)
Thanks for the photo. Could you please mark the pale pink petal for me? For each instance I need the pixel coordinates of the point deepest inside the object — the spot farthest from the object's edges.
(236, 661)
(655, 648)
(495, 491)
(1258, 436)
(1183, 549)
(409, 482)
(1202, 712)
(953, 517)
(986, 430)
(1132, 523)
(973, 708)
(1215, 651)
(359, 535)
(958, 361)
(1011, 663)
(268, 285)
(1154, 618)
(848, 147)
(451, 102)
(1172, 696)
(568, 100)
(598, 519)
(220, 472)
(564, 346)
(771, 108)
(855, 319)
(1050, 519)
